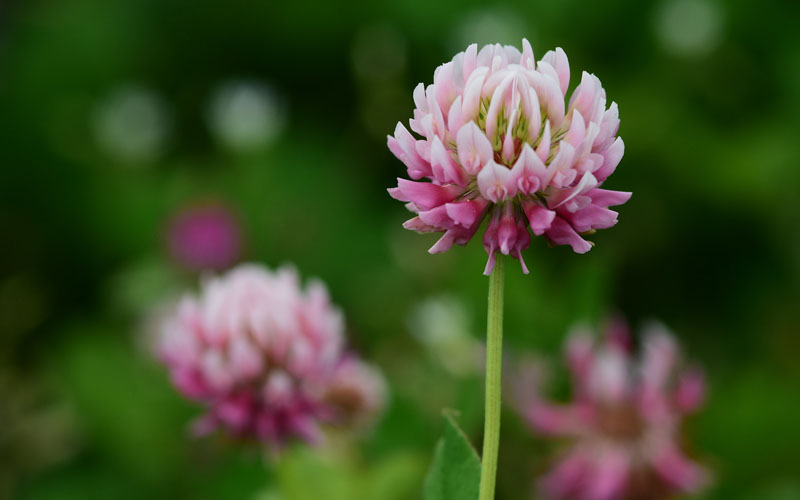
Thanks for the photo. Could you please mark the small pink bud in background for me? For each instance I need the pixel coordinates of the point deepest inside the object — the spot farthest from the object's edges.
(205, 237)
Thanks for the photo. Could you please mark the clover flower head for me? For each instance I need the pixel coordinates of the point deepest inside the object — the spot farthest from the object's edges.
(266, 357)
(500, 142)
(623, 426)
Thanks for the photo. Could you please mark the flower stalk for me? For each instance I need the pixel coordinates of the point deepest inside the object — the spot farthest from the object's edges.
(494, 364)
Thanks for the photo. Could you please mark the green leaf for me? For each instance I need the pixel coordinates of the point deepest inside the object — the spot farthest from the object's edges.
(455, 472)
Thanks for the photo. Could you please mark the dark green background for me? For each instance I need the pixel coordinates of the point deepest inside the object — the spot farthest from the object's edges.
(709, 243)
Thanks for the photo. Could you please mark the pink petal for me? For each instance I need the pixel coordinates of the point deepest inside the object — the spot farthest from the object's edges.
(608, 128)
(474, 149)
(539, 218)
(528, 173)
(527, 60)
(593, 217)
(417, 225)
(561, 233)
(423, 194)
(455, 119)
(472, 93)
(495, 182)
(607, 198)
(559, 61)
(561, 197)
(533, 113)
(470, 61)
(577, 129)
(245, 360)
(612, 155)
(490, 243)
(403, 145)
(496, 103)
(437, 218)
(445, 169)
(691, 391)
(677, 470)
(561, 163)
(543, 151)
(584, 97)
(608, 477)
(465, 212)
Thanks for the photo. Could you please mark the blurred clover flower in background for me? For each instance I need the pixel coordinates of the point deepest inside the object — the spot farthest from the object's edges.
(205, 237)
(267, 358)
(499, 143)
(245, 115)
(689, 27)
(623, 425)
(441, 324)
(132, 124)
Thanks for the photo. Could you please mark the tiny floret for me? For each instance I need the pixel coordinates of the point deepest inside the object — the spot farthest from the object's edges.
(500, 141)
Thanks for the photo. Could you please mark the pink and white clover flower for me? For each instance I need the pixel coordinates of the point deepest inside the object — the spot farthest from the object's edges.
(500, 141)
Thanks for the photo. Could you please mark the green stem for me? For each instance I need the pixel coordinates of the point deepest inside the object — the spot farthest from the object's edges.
(494, 364)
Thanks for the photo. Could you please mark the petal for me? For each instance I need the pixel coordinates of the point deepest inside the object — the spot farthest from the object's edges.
(245, 360)
(584, 97)
(608, 128)
(561, 233)
(470, 61)
(419, 98)
(612, 155)
(454, 117)
(443, 244)
(474, 149)
(593, 217)
(677, 470)
(543, 151)
(609, 475)
(561, 163)
(494, 182)
(528, 173)
(496, 104)
(559, 198)
(691, 391)
(467, 212)
(445, 169)
(559, 61)
(608, 198)
(577, 129)
(437, 218)
(533, 114)
(424, 194)
(403, 145)
(527, 60)
(472, 93)
(417, 225)
(539, 218)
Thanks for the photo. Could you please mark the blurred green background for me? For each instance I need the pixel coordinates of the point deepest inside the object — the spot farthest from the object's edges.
(117, 114)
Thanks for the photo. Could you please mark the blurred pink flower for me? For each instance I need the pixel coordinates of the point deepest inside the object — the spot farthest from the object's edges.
(623, 425)
(203, 237)
(266, 358)
(500, 143)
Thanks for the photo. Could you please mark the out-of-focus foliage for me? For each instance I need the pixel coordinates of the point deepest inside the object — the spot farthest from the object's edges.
(116, 115)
